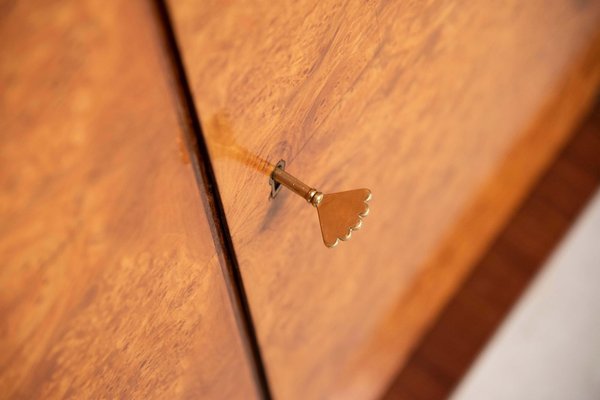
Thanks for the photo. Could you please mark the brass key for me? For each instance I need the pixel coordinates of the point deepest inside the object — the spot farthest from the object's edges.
(339, 213)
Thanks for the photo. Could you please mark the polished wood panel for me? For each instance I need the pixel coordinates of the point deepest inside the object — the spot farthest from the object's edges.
(509, 265)
(110, 283)
(448, 111)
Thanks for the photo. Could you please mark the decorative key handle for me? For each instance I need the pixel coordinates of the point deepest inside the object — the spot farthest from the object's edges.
(339, 213)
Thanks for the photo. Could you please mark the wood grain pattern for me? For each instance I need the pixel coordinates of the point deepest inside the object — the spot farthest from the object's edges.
(447, 350)
(110, 283)
(448, 111)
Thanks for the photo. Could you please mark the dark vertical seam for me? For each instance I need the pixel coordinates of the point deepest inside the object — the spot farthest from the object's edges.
(205, 176)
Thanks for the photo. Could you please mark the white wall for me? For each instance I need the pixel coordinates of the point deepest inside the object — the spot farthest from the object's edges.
(549, 346)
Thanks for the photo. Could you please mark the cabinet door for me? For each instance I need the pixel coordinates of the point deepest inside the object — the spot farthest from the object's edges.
(446, 110)
(110, 284)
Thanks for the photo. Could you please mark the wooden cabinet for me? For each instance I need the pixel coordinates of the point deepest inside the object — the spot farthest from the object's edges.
(447, 111)
(142, 255)
(110, 283)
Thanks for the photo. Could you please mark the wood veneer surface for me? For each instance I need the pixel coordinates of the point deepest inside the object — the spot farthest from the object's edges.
(110, 284)
(446, 110)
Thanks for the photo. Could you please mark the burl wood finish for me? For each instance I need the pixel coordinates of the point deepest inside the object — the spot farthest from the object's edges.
(110, 284)
(446, 110)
